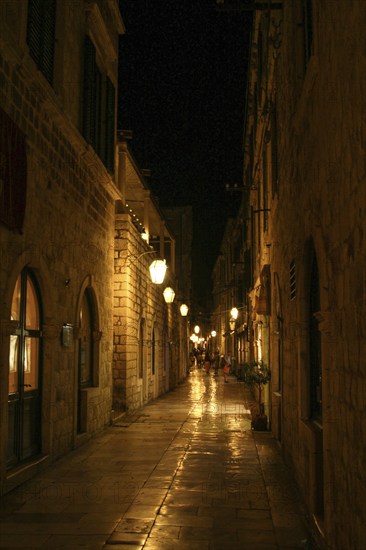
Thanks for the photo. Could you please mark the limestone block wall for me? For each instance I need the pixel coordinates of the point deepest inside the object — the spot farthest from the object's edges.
(138, 309)
(67, 242)
(321, 110)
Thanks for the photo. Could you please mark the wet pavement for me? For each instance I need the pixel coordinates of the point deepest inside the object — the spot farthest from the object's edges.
(186, 472)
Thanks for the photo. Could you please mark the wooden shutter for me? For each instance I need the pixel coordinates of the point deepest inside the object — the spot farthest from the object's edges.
(48, 39)
(89, 95)
(41, 34)
(110, 126)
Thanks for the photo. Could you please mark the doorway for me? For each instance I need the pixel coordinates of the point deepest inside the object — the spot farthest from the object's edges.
(24, 393)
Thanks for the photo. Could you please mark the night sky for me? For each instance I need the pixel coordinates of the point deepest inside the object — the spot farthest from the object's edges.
(182, 93)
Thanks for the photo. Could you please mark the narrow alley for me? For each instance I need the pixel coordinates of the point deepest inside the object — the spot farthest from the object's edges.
(184, 472)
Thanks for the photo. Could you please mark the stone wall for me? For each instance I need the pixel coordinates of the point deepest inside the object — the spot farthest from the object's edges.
(137, 299)
(66, 241)
(321, 108)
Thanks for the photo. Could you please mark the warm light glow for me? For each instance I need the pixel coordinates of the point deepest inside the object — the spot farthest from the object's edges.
(184, 310)
(169, 295)
(213, 333)
(234, 313)
(157, 271)
(144, 235)
(196, 329)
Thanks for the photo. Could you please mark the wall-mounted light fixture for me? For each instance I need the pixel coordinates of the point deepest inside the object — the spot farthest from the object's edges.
(157, 271)
(234, 313)
(196, 329)
(184, 310)
(169, 295)
(213, 333)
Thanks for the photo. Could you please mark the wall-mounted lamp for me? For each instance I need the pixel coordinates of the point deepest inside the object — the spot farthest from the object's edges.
(196, 329)
(184, 310)
(169, 295)
(234, 313)
(157, 271)
(213, 333)
(232, 324)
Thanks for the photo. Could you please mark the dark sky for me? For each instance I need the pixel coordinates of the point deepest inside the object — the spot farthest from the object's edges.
(182, 93)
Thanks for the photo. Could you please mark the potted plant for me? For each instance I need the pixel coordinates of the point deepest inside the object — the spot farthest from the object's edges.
(255, 376)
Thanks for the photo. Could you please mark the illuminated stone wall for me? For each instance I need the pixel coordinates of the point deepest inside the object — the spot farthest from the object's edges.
(67, 239)
(321, 206)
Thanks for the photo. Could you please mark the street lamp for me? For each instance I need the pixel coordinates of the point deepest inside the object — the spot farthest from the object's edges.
(157, 271)
(184, 310)
(169, 295)
(234, 313)
(213, 333)
(196, 329)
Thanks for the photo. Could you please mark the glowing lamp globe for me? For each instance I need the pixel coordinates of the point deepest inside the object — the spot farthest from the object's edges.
(234, 313)
(157, 271)
(184, 310)
(169, 295)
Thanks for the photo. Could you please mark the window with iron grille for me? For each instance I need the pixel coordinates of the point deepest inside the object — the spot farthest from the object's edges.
(41, 35)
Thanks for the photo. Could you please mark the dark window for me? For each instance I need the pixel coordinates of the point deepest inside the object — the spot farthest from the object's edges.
(110, 125)
(98, 125)
(90, 94)
(314, 343)
(41, 34)
(260, 63)
(308, 28)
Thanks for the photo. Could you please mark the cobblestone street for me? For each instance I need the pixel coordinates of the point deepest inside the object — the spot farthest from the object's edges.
(184, 472)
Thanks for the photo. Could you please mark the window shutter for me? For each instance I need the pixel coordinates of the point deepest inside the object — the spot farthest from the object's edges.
(89, 95)
(41, 34)
(98, 113)
(110, 125)
(34, 29)
(48, 42)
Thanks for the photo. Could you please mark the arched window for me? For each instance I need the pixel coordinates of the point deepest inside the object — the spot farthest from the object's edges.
(24, 371)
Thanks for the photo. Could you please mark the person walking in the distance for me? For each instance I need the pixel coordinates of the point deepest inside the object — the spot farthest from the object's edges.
(226, 363)
(216, 362)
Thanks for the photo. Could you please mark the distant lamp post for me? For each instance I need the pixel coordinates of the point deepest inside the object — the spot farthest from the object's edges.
(184, 310)
(234, 313)
(213, 333)
(197, 329)
(169, 295)
(157, 271)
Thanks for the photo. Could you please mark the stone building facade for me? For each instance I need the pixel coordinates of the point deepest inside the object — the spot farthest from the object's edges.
(303, 217)
(63, 216)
